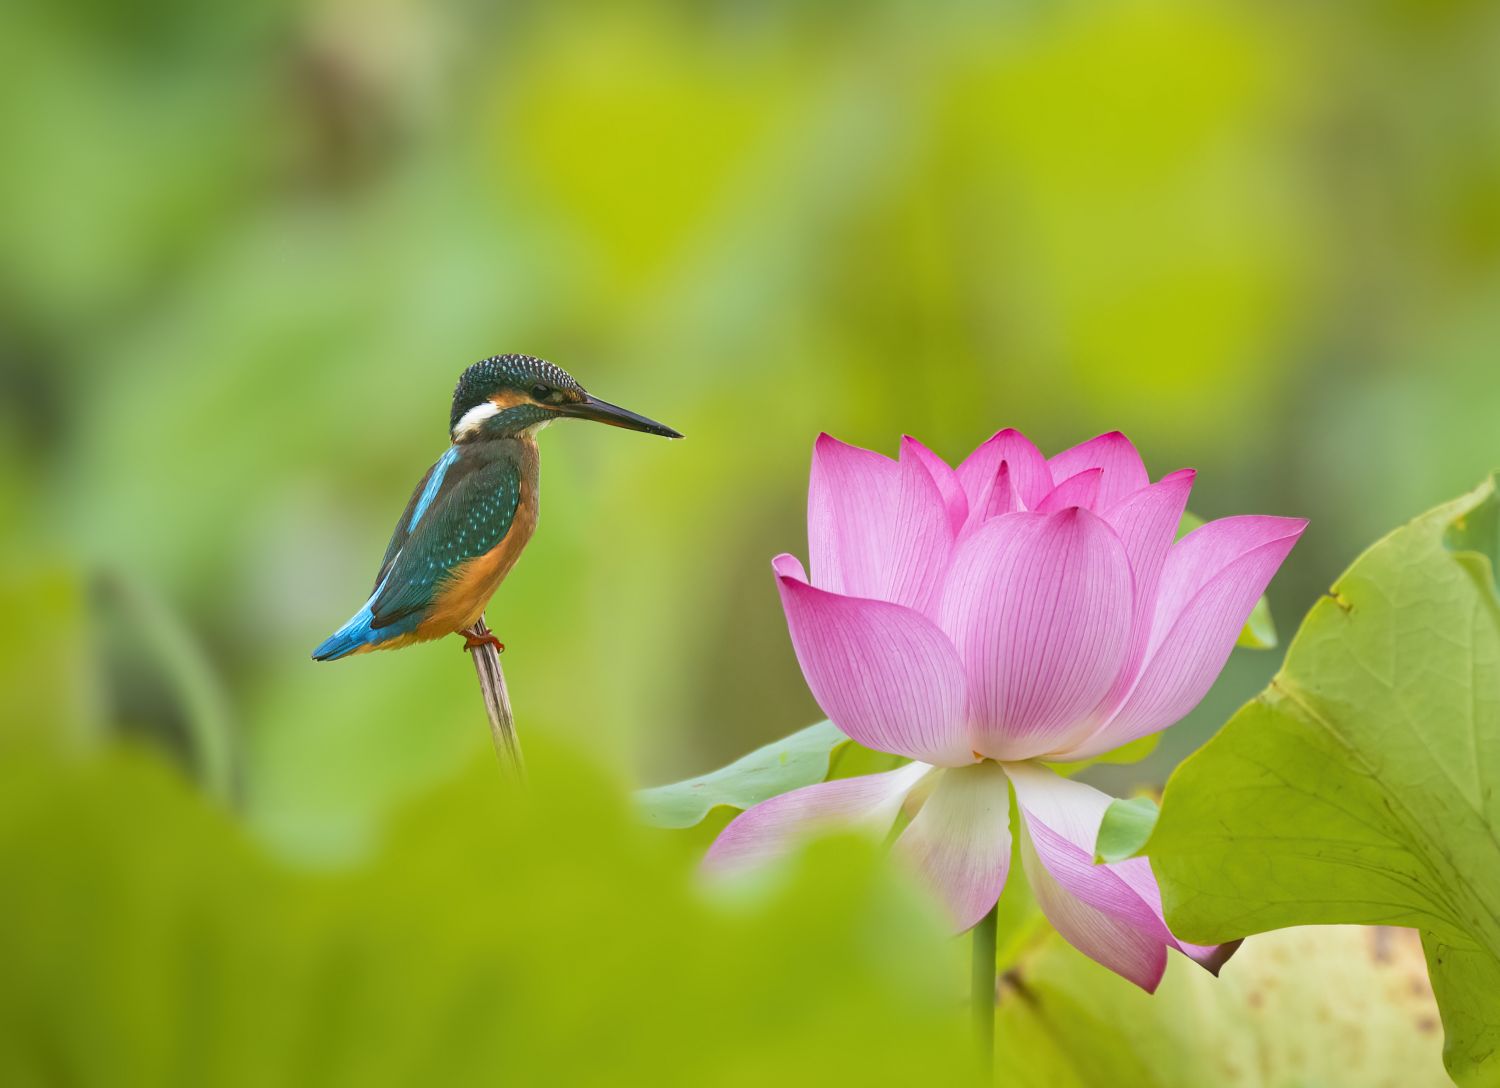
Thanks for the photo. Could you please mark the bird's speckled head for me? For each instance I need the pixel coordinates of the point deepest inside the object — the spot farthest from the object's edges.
(507, 396)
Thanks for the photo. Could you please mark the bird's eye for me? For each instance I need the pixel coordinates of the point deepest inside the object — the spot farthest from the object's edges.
(540, 392)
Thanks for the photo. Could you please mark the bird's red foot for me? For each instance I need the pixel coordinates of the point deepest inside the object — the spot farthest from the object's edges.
(473, 642)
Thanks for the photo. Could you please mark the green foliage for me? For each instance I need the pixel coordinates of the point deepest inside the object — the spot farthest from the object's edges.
(787, 764)
(1359, 787)
(49, 692)
(1127, 824)
(147, 941)
(1474, 540)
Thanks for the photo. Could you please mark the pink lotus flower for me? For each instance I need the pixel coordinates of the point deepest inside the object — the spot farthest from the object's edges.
(985, 620)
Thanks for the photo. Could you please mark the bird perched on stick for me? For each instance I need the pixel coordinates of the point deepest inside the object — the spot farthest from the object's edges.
(472, 514)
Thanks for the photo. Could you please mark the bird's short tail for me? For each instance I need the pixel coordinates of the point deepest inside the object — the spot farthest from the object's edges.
(354, 635)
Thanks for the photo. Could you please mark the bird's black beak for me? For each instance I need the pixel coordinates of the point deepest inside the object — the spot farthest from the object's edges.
(601, 411)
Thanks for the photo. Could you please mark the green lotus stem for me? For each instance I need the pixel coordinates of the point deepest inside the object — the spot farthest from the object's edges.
(206, 714)
(497, 706)
(983, 982)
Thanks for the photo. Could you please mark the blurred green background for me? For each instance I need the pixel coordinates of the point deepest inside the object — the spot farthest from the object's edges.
(247, 250)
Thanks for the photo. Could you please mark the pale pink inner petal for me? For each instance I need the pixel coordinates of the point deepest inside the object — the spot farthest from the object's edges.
(1081, 489)
(960, 840)
(1123, 471)
(1028, 468)
(920, 540)
(774, 826)
(945, 478)
(997, 497)
(1039, 607)
(1146, 522)
(885, 674)
(1096, 907)
(877, 528)
(849, 499)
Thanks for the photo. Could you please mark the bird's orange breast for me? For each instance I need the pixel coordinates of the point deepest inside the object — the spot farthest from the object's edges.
(462, 599)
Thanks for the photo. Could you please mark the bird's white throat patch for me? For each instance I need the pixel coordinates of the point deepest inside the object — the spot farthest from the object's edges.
(474, 418)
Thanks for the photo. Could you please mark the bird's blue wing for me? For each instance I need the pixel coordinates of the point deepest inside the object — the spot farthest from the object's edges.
(421, 501)
(460, 509)
(462, 516)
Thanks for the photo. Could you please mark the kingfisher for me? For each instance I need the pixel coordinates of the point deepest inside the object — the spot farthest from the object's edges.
(474, 511)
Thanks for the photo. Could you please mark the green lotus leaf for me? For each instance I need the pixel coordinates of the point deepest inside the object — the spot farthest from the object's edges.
(1127, 824)
(801, 759)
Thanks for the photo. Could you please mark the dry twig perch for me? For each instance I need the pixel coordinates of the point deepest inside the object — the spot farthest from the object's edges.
(497, 706)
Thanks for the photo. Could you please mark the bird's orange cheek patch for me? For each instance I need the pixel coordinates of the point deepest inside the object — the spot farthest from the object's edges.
(509, 398)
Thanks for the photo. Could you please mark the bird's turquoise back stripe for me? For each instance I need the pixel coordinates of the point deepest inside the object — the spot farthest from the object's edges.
(434, 484)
